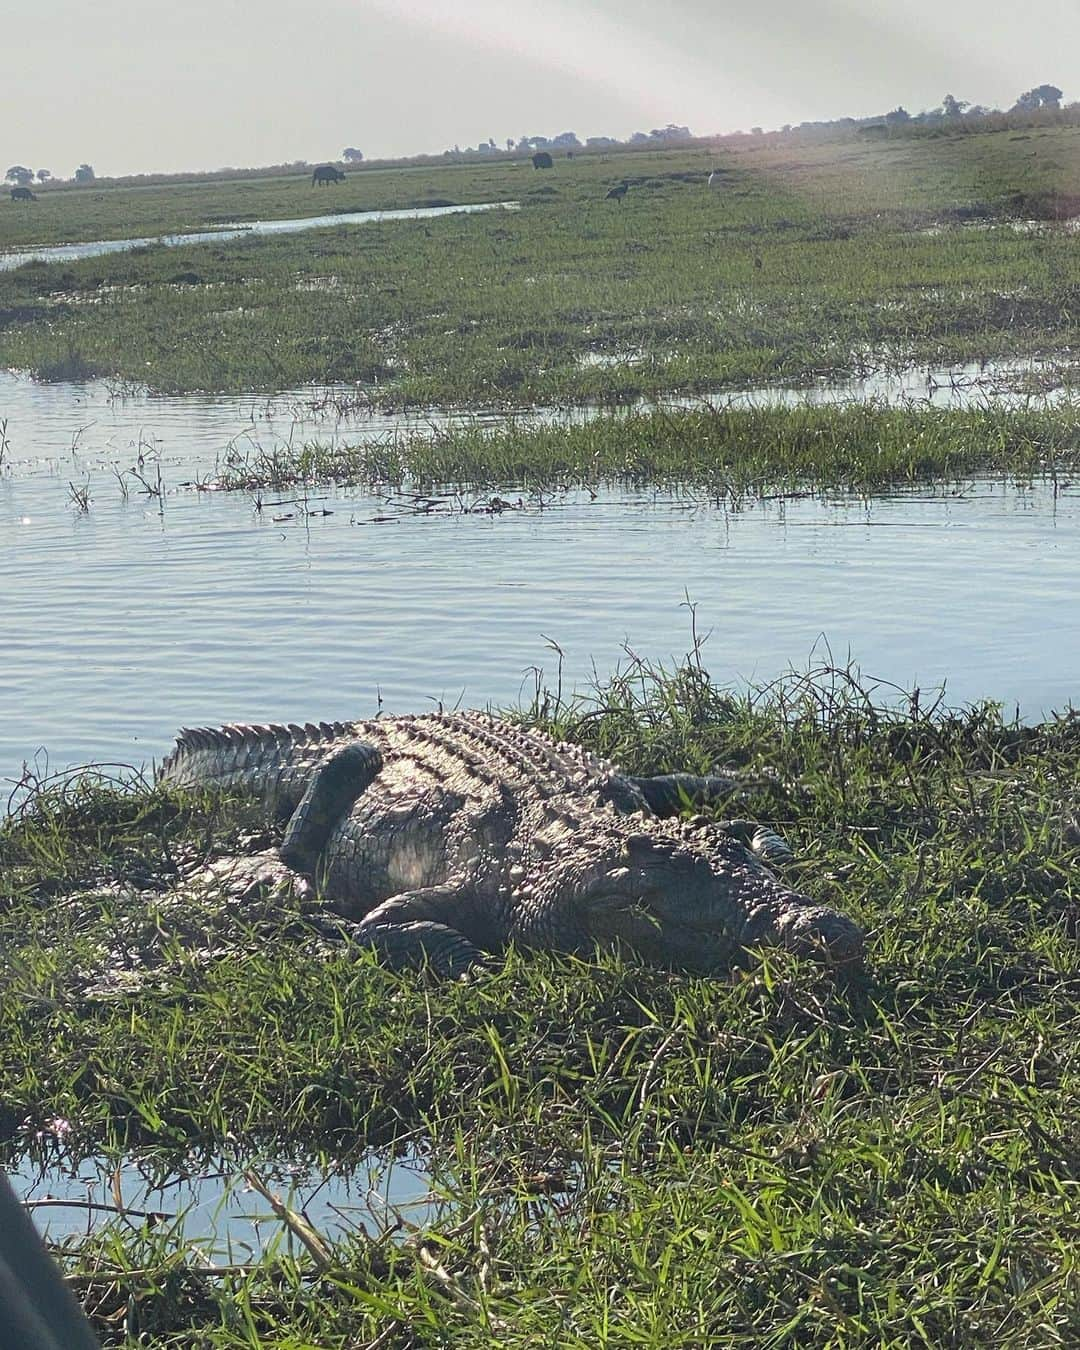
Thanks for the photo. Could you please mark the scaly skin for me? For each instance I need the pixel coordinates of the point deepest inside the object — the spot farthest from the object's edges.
(444, 836)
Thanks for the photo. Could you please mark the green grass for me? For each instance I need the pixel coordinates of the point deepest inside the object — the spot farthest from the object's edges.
(627, 1156)
(730, 452)
(67, 214)
(813, 259)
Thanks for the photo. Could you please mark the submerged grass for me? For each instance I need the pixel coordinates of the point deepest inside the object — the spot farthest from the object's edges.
(626, 1156)
(731, 452)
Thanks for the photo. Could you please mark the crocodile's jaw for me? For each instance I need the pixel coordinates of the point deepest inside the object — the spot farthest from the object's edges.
(697, 909)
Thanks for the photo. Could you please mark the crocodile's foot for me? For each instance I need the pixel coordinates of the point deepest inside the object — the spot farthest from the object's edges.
(257, 877)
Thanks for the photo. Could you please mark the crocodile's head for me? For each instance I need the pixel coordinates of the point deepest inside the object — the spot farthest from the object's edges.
(697, 901)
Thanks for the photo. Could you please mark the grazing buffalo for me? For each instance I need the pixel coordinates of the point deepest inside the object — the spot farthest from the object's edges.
(22, 194)
(542, 160)
(326, 173)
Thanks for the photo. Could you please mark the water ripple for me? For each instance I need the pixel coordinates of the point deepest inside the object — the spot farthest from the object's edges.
(120, 625)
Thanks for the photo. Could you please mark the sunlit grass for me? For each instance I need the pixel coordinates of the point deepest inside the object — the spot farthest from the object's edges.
(626, 1155)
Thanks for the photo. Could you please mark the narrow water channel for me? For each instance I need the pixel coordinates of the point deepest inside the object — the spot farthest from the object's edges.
(92, 248)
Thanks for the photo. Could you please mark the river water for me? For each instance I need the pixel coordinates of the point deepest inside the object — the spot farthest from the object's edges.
(123, 622)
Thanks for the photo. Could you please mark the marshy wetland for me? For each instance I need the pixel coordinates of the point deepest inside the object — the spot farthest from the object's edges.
(380, 467)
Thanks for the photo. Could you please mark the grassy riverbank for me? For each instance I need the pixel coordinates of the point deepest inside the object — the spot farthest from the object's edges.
(811, 259)
(628, 1156)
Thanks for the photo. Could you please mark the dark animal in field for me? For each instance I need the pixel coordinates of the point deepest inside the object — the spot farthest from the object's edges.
(617, 193)
(326, 173)
(440, 837)
(542, 160)
(22, 194)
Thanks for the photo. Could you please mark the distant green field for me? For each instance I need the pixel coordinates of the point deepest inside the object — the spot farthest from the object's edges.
(813, 258)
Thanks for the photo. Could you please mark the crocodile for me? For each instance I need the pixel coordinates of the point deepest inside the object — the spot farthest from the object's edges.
(439, 838)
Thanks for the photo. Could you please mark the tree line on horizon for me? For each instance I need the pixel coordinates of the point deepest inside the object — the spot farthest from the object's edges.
(20, 175)
(952, 113)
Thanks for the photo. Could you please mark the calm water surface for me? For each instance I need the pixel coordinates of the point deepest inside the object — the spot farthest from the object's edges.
(211, 1202)
(93, 248)
(123, 623)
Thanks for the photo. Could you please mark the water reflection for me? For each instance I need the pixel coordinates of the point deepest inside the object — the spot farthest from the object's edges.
(221, 1203)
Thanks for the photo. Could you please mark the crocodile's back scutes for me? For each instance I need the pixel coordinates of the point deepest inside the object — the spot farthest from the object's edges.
(279, 759)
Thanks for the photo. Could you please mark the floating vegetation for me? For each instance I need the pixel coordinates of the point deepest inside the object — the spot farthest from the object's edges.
(729, 451)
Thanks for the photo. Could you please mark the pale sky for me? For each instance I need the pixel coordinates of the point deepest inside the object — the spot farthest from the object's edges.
(136, 85)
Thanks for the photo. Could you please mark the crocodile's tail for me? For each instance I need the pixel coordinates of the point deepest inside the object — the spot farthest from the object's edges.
(273, 761)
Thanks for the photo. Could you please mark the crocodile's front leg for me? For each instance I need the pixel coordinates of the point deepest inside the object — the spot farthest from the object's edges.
(334, 787)
(770, 846)
(417, 928)
(668, 794)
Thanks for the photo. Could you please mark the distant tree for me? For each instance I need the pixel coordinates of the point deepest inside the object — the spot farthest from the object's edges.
(351, 155)
(953, 107)
(84, 173)
(897, 117)
(1042, 96)
(19, 173)
(509, 142)
(757, 131)
(43, 175)
(566, 140)
(601, 142)
(978, 110)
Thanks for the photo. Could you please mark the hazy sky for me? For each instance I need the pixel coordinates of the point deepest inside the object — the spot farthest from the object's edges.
(137, 85)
